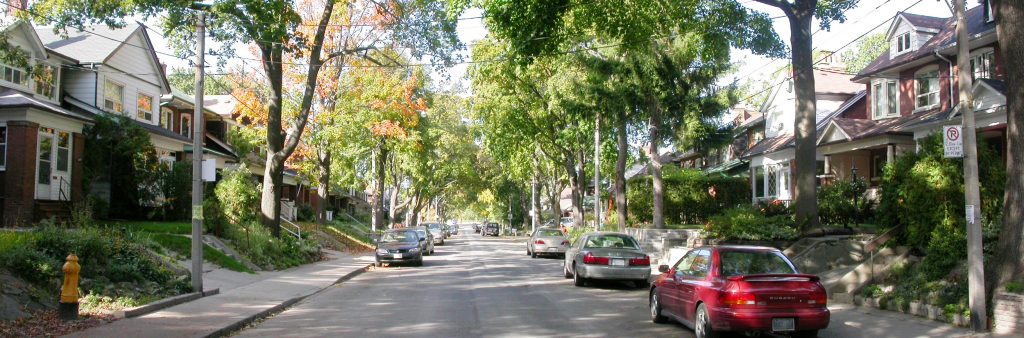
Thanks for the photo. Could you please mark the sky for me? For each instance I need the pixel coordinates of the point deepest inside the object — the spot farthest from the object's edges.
(869, 16)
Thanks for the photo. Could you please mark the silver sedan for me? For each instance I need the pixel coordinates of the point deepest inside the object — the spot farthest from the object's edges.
(607, 255)
(547, 241)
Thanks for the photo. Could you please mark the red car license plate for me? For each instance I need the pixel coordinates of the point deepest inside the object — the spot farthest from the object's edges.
(783, 324)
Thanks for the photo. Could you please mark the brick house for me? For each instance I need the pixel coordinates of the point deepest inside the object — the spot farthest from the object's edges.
(41, 143)
(912, 90)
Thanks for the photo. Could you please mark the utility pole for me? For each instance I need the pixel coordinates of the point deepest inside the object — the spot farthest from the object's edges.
(533, 202)
(975, 260)
(597, 172)
(197, 154)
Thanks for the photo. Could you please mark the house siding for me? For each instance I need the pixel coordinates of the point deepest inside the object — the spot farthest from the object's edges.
(19, 175)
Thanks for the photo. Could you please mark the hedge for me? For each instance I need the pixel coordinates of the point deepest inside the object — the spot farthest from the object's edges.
(687, 196)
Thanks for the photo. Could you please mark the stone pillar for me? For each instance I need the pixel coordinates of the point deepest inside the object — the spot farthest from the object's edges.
(20, 173)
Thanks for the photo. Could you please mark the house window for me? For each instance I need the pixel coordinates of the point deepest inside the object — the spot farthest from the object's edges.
(113, 97)
(14, 75)
(982, 64)
(46, 82)
(144, 107)
(167, 119)
(885, 94)
(186, 125)
(903, 43)
(3, 147)
(927, 89)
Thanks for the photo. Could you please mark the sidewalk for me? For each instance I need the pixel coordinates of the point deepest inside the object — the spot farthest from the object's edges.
(245, 301)
(853, 321)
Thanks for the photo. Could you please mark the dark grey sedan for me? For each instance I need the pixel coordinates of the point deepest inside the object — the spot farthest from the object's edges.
(399, 246)
(608, 256)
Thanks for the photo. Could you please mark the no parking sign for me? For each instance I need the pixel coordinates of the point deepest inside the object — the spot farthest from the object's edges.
(953, 141)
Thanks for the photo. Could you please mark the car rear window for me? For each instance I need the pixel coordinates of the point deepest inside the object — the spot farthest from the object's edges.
(739, 263)
(549, 233)
(611, 241)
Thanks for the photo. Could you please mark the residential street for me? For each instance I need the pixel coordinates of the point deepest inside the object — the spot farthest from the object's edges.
(486, 287)
(471, 287)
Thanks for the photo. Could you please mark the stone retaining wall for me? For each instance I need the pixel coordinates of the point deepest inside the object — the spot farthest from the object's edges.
(1008, 313)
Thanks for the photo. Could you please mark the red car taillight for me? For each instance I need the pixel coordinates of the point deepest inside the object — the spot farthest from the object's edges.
(739, 299)
(640, 261)
(589, 258)
(539, 241)
(819, 298)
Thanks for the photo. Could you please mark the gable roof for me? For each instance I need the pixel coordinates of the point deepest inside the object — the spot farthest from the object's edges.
(98, 43)
(945, 38)
(923, 21)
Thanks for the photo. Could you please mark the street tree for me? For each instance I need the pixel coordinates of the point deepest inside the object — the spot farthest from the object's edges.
(1007, 265)
(800, 14)
(273, 28)
(864, 51)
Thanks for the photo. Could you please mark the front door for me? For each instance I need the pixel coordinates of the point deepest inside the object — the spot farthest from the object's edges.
(44, 165)
(53, 165)
(784, 177)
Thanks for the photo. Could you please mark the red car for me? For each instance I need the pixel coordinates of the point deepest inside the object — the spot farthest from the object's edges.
(739, 288)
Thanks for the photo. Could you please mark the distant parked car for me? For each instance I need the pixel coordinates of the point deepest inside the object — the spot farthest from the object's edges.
(437, 229)
(739, 288)
(454, 229)
(426, 240)
(607, 255)
(476, 228)
(399, 246)
(547, 241)
(492, 229)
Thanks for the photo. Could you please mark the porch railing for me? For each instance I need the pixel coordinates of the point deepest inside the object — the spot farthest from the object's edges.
(61, 194)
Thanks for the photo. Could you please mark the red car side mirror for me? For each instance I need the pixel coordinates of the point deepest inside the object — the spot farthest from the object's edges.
(663, 268)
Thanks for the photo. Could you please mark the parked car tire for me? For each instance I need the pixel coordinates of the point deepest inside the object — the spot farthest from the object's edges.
(419, 262)
(577, 280)
(378, 264)
(656, 315)
(533, 254)
(528, 251)
(702, 324)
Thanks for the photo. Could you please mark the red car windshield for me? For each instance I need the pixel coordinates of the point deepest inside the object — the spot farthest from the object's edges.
(739, 263)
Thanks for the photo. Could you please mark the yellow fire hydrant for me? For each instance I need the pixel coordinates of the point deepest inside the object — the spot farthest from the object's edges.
(69, 291)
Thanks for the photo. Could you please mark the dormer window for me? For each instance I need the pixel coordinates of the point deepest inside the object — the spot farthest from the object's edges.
(16, 76)
(903, 43)
(46, 82)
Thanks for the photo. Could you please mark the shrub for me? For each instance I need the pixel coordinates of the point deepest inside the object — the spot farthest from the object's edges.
(773, 207)
(175, 183)
(871, 291)
(239, 196)
(922, 191)
(688, 196)
(1015, 287)
(748, 223)
(844, 203)
(306, 213)
(120, 152)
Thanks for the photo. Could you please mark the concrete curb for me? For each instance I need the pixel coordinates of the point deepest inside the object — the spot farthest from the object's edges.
(163, 304)
(238, 325)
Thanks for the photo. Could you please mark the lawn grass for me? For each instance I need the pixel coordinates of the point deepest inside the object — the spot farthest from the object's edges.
(179, 228)
(183, 246)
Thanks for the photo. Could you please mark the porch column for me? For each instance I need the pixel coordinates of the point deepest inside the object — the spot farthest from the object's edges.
(19, 175)
(890, 153)
(828, 164)
(753, 184)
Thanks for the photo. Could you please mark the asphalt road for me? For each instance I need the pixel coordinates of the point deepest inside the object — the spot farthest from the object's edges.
(471, 287)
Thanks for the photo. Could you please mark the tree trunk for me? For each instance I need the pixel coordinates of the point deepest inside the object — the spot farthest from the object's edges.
(1007, 265)
(412, 216)
(324, 191)
(555, 198)
(620, 171)
(273, 175)
(657, 187)
(393, 203)
(574, 187)
(805, 194)
(378, 194)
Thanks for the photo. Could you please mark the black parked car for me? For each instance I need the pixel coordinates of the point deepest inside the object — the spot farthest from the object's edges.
(399, 246)
(492, 229)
